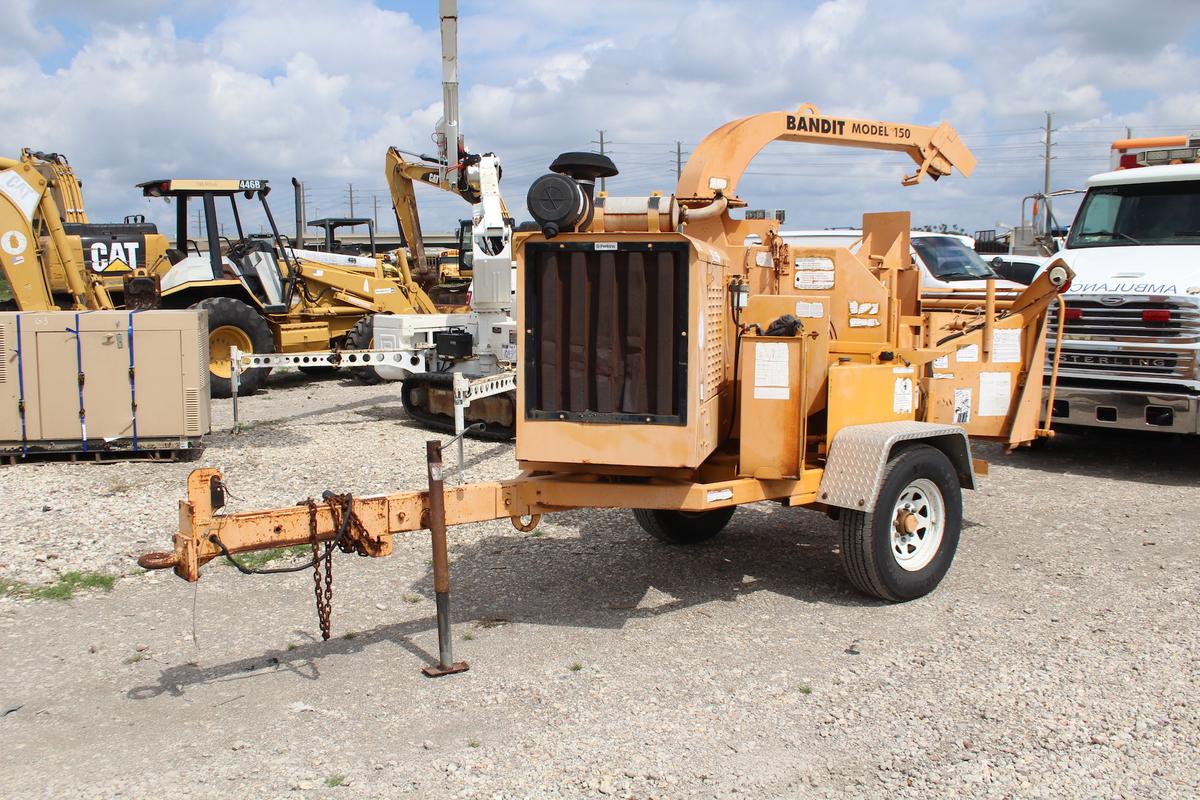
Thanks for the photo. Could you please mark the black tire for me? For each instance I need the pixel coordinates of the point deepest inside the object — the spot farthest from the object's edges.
(362, 337)
(226, 312)
(867, 543)
(683, 527)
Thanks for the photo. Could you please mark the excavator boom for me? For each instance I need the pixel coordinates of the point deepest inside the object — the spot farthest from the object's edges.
(29, 209)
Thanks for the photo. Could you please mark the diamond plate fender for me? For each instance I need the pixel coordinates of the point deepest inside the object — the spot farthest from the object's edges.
(859, 454)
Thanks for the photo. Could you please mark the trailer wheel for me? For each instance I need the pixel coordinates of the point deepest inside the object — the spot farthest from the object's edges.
(903, 549)
(232, 323)
(362, 337)
(683, 527)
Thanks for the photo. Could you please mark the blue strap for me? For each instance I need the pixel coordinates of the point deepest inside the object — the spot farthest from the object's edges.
(79, 367)
(21, 390)
(132, 385)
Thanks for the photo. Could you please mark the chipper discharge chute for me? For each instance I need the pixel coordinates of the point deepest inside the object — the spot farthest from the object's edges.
(680, 362)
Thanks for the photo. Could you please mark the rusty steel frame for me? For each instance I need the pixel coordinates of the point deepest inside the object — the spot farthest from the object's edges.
(383, 516)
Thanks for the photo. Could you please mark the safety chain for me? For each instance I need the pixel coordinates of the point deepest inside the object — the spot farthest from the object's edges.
(322, 584)
(350, 536)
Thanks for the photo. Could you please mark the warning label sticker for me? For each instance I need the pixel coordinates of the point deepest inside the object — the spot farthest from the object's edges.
(902, 396)
(962, 406)
(995, 391)
(1006, 346)
(771, 371)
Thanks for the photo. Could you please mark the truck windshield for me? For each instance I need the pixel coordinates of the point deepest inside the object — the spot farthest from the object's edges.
(948, 259)
(1138, 213)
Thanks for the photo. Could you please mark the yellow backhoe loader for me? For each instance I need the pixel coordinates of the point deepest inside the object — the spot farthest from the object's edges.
(265, 296)
(680, 362)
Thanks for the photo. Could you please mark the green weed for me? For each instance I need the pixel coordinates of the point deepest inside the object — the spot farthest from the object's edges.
(63, 589)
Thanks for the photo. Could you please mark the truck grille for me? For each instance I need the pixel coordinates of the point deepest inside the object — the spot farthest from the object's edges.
(1124, 322)
(605, 337)
(1127, 362)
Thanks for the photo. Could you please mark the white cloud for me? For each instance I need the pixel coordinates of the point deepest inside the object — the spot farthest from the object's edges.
(320, 90)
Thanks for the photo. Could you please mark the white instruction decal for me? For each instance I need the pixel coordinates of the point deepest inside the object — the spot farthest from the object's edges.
(1006, 346)
(968, 354)
(995, 391)
(762, 258)
(962, 406)
(809, 310)
(770, 371)
(813, 279)
(863, 322)
(870, 309)
(606, 246)
(902, 396)
(815, 262)
(942, 363)
(719, 494)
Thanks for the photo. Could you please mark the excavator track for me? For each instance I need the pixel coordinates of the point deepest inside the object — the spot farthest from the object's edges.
(428, 397)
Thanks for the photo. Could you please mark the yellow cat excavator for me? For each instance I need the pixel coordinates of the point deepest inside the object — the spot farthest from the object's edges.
(52, 257)
(680, 362)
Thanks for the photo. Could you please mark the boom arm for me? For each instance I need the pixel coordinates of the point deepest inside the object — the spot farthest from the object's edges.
(719, 161)
(400, 174)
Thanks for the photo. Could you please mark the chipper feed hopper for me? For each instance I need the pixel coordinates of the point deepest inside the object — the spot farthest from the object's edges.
(680, 362)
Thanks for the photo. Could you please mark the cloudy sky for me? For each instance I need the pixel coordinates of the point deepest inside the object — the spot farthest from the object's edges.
(132, 90)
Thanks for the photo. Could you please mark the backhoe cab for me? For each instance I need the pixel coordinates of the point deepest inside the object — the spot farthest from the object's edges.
(330, 225)
(247, 264)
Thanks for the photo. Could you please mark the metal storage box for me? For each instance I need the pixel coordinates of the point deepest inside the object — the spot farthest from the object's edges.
(97, 382)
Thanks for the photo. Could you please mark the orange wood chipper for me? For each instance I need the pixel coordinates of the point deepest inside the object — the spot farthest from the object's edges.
(680, 362)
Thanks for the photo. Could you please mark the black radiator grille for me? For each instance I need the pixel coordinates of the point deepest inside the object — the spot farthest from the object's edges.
(605, 332)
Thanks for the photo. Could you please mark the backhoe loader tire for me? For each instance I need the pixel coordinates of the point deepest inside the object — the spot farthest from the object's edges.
(683, 527)
(362, 337)
(884, 558)
(232, 322)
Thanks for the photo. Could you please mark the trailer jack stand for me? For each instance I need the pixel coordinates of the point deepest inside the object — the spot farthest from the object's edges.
(441, 566)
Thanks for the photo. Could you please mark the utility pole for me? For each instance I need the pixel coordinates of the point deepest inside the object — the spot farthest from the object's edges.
(375, 203)
(351, 185)
(601, 143)
(678, 159)
(199, 226)
(1046, 174)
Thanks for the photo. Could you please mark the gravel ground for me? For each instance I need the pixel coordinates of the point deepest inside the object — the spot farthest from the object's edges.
(1060, 658)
